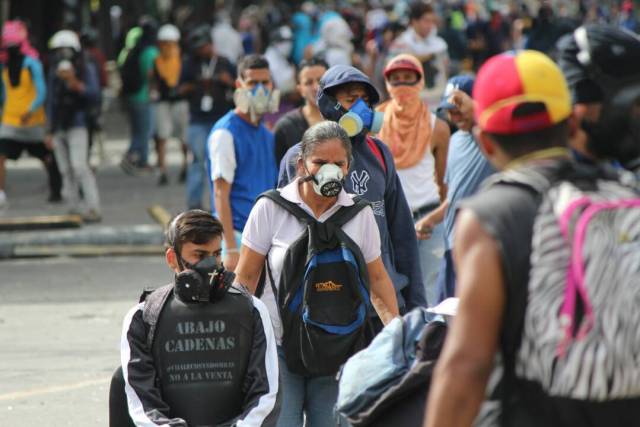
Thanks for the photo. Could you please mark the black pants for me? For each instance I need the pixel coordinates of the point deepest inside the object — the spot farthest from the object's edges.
(118, 409)
(13, 149)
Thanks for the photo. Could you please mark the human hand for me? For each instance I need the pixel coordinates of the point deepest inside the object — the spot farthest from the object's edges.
(48, 142)
(463, 104)
(26, 117)
(230, 260)
(425, 226)
(372, 48)
(226, 78)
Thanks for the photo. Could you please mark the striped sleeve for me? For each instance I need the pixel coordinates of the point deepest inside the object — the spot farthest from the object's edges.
(146, 407)
(262, 391)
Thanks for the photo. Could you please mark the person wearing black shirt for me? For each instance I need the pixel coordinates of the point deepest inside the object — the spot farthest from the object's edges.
(208, 82)
(289, 129)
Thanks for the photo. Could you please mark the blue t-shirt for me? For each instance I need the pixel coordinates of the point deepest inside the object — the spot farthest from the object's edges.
(256, 170)
(466, 169)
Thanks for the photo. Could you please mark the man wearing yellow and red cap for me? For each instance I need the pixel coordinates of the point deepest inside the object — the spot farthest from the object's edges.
(523, 109)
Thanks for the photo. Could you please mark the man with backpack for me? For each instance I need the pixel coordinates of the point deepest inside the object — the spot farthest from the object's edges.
(136, 73)
(198, 351)
(347, 96)
(547, 268)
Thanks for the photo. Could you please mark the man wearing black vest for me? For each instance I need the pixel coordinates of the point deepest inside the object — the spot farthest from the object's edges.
(197, 352)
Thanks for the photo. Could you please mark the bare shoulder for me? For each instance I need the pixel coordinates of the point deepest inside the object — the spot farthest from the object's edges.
(441, 133)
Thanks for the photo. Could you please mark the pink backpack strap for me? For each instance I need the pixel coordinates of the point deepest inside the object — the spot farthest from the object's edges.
(575, 285)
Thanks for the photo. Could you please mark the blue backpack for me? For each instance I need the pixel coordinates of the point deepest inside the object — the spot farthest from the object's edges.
(323, 293)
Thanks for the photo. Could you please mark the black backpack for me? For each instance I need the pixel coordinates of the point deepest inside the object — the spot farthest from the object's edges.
(323, 293)
(130, 72)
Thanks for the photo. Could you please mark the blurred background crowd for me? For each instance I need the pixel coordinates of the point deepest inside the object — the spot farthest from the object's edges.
(178, 38)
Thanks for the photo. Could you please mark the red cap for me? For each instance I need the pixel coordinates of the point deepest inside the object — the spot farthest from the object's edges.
(508, 81)
(403, 62)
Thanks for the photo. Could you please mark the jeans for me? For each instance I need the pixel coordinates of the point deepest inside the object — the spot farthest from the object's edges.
(315, 398)
(431, 252)
(71, 148)
(197, 134)
(141, 118)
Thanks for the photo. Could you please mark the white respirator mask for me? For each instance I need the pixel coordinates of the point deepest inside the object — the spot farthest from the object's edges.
(257, 101)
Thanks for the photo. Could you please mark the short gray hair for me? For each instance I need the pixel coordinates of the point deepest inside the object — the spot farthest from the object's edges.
(320, 133)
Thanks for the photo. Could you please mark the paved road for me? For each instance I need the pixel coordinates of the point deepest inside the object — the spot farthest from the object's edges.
(60, 321)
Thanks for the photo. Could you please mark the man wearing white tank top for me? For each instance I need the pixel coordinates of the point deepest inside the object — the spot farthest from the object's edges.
(419, 143)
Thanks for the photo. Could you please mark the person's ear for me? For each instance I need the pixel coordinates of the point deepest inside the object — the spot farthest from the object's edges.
(574, 125)
(487, 146)
(172, 260)
(300, 167)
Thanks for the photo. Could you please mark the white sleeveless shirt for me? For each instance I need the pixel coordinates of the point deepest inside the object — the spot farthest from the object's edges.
(419, 181)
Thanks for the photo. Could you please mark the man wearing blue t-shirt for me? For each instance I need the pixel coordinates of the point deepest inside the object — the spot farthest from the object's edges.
(241, 160)
(466, 169)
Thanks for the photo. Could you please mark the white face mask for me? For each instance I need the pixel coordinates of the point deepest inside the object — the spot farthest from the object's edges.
(257, 101)
(328, 180)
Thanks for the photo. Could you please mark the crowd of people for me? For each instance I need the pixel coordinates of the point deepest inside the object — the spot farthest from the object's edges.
(362, 163)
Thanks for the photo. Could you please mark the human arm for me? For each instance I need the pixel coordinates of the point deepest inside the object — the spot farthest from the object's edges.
(261, 388)
(37, 75)
(144, 400)
(383, 295)
(222, 158)
(249, 267)
(440, 148)
(187, 83)
(221, 197)
(466, 361)
(256, 243)
(427, 223)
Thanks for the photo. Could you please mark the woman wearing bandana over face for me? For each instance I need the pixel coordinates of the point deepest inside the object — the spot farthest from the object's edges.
(419, 143)
(324, 160)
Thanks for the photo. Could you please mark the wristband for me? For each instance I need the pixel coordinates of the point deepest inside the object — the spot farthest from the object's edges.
(232, 250)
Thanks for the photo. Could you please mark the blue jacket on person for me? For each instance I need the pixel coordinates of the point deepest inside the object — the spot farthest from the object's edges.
(380, 185)
(67, 109)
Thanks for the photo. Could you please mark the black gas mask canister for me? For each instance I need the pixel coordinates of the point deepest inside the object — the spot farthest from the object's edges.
(616, 133)
(206, 281)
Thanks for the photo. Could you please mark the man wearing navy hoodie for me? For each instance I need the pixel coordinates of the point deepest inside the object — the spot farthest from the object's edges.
(345, 93)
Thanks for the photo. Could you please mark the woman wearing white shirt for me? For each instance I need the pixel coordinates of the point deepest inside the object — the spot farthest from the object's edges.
(269, 232)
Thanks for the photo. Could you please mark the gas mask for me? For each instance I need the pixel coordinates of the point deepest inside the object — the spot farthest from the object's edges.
(206, 281)
(616, 134)
(328, 181)
(257, 101)
(359, 117)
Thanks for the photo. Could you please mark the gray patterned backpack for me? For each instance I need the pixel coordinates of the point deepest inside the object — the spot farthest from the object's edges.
(581, 332)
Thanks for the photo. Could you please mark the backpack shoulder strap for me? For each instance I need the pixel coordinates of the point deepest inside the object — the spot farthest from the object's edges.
(376, 152)
(347, 213)
(154, 302)
(292, 208)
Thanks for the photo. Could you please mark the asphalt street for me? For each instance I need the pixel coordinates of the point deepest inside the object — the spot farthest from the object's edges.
(60, 318)
(60, 323)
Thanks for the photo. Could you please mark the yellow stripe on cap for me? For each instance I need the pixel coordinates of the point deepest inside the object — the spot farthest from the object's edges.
(543, 81)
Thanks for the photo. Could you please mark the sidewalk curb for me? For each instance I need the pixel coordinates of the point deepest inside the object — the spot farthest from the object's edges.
(126, 238)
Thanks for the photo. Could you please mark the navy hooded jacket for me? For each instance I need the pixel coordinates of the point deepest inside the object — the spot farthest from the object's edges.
(379, 185)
